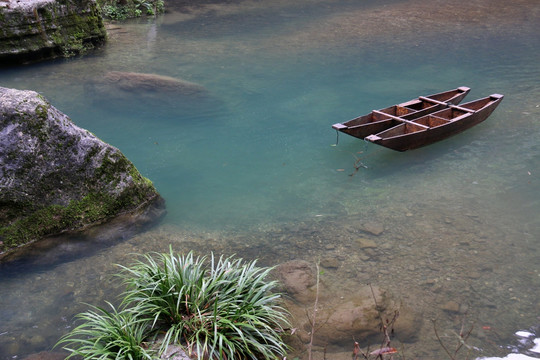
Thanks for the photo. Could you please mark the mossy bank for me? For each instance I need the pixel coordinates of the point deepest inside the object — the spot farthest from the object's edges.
(43, 29)
(55, 176)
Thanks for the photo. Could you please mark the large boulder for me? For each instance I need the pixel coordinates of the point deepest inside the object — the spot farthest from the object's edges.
(41, 29)
(55, 176)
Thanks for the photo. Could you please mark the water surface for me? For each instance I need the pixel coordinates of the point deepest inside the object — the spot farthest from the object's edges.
(252, 168)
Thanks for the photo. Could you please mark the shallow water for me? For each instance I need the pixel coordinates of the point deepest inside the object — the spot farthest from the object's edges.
(251, 167)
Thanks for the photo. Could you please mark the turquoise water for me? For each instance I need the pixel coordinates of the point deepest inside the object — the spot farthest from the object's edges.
(252, 167)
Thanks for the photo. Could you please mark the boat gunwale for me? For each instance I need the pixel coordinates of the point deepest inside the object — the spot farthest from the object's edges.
(458, 92)
(492, 101)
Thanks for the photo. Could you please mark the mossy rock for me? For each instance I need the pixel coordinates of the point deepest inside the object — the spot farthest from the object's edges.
(43, 29)
(56, 176)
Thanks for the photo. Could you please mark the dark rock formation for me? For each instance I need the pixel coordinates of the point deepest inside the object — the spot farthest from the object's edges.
(42, 29)
(55, 176)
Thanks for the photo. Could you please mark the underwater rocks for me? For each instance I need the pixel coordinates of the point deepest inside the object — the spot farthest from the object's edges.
(55, 176)
(46, 355)
(43, 29)
(340, 317)
(137, 82)
(156, 93)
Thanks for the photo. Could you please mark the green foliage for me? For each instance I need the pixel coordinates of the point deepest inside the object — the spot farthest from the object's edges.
(114, 12)
(121, 10)
(108, 335)
(55, 218)
(217, 309)
(222, 311)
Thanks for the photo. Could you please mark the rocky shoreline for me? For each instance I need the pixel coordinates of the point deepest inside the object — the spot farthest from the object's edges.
(43, 29)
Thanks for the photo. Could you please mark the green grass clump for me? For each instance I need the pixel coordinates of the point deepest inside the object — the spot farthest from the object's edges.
(215, 308)
(108, 335)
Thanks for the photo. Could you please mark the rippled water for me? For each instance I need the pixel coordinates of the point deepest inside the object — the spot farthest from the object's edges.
(251, 168)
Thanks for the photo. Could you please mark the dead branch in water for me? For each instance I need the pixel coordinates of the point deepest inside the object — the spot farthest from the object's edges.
(462, 340)
(313, 320)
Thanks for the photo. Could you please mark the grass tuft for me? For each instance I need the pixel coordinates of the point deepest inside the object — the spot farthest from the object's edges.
(215, 308)
(218, 309)
(108, 335)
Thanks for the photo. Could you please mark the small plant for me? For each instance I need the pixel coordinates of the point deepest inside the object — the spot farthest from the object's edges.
(108, 335)
(143, 4)
(217, 309)
(114, 12)
(222, 311)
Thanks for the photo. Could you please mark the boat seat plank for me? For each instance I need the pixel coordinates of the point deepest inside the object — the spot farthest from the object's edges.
(400, 119)
(449, 105)
(461, 108)
(432, 100)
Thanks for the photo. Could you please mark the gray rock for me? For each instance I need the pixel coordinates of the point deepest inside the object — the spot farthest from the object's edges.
(330, 263)
(56, 176)
(175, 352)
(137, 82)
(374, 228)
(42, 29)
(143, 91)
(364, 243)
(450, 306)
(46, 355)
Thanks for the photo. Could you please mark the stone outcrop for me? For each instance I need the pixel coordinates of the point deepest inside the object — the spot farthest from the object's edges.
(55, 176)
(340, 317)
(43, 29)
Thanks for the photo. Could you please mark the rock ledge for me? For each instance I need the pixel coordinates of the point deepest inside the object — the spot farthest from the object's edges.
(43, 29)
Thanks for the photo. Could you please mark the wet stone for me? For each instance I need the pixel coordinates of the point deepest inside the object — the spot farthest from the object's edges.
(473, 274)
(330, 263)
(450, 306)
(364, 243)
(373, 228)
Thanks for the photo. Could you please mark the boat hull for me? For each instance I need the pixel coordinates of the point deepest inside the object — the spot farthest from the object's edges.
(375, 122)
(436, 126)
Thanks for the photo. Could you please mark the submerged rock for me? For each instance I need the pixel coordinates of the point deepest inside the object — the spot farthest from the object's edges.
(138, 92)
(297, 277)
(355, 314)
(44, 29)
(140, 82)
(46, 355)
(55, 176)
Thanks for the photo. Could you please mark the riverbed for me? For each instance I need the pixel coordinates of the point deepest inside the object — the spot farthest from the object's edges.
(253, 167)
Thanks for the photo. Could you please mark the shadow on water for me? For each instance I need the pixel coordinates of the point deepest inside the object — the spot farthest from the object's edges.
(48, 253)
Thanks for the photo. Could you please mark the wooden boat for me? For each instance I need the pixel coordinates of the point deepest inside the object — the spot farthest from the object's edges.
(380, 120)
(439, 125)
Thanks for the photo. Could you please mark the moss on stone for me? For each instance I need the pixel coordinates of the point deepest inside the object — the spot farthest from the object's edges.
(93, 208)
(55, 28)
(60, 177)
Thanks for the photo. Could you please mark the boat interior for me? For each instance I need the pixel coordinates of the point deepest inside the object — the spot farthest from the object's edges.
(441, 117)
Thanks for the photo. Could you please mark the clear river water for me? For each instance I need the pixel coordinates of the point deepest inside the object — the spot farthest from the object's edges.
(252, 167)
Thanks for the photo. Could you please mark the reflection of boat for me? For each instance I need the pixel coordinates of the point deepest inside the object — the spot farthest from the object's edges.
(427, 129)
(379, 120)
